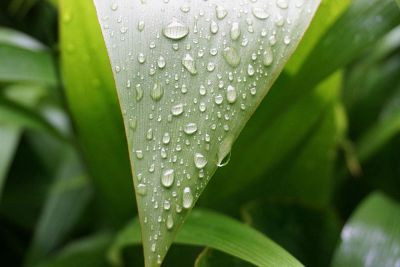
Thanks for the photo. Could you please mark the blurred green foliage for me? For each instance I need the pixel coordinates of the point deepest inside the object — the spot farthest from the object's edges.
(325, 138)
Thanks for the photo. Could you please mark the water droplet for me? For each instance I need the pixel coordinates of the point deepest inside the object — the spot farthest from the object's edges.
(268, 57)
(161, 62)
(214, 27)
(167, 205)
(170, 222)
(114, 6)
(200, 161)
(210, 66)
(149, 134)
(187, 198)
(139, 92)
(141, 25)
(225, 160)
(175, 30)
(218, 99)
(190, 128)
(117, 69)
(231, 56)
(141, 58)
(231, 94)
(202, 90)
(167, 178)
(185, 8)
(139, 154)
(166, 138)
(235, 31)
(287, 40)
(250, 70)
(157, 92)
(282, 4)
(189, 63)
(141, 189)
(177, 109)
(260, 13)
(221, 12)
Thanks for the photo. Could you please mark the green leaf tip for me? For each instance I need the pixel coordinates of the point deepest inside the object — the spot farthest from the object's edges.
(189, 75)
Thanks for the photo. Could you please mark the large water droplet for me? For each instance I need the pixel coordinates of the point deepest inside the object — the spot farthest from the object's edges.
(190, 128)
(175, 30)
(189, 63)
(157, 92)
(231, 56)
(167, 178)
(231, 94)
(200, 161)
(187, 198)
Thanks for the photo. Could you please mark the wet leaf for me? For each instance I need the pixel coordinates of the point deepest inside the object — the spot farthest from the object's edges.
(189, 76)
(204, 228)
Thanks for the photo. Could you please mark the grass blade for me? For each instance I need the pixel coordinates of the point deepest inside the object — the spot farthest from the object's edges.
(204, 228)
(187, 84)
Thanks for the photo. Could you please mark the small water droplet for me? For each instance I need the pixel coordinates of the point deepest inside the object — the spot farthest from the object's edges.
(218, 99)
(231, 94)
(214, 27)
(166, 138)
(231, 56)
(167, 178)
(268, 57)
(189, 63)
(187, 198)
(139, 92)
(190, 128)
(282, 4)
(161, 62)
(175, 30)
(287, 40)
(250, 70)
(157, 92)
(221, 12)
(139, 154)
(185, 8)
(141, 58)
(170, 222)
(260, 13)
(177, 109)
(142, 189)
(114, 6)
(210, 66)
(235, 31)
(199, 161)
(149, 134)
(141, 25)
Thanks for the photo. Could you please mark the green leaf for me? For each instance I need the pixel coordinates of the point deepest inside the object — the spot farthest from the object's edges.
(9, 138)
(372, 236)
(68, 197)
(187, 83)
(23, 59)
(92, 99)
(88, 252)
(204, 228)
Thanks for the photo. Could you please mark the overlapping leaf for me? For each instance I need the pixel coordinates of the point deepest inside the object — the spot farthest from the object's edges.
(189, 75)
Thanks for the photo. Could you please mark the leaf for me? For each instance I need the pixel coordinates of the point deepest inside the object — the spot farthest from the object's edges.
(94, 108)
(68, 197)
(188, 82)
(372, 236)
(23, 59)
(88, 252)
(204, 228)
(9, 138)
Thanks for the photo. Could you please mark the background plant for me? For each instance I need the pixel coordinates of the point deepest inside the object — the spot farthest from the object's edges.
(323, 139)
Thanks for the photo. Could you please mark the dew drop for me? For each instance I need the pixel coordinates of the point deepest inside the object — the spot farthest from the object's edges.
(250, 70)
(141, 58)
(210, 66)
(287, 40)
(214, 27)
(177, 109)
(142, 189)
(260, 13)
(166, 139)
(235, 31)
(199, 161)
(189, 63)
(139, 154)
(185, 8)
(139, 92)
(268, 57)
(190, 128)
(218, 99)
(167, 178)
(114, 6)
(232, 56)
(141, 25)
(149, 134)
(157, 92)
(187, 198)
(221, 12)
(175, 30)
(170, 222)
(282, 4)
(161, 62)
(231, 94)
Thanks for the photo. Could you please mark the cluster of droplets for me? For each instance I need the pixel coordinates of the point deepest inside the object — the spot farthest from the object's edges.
(179, 118)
